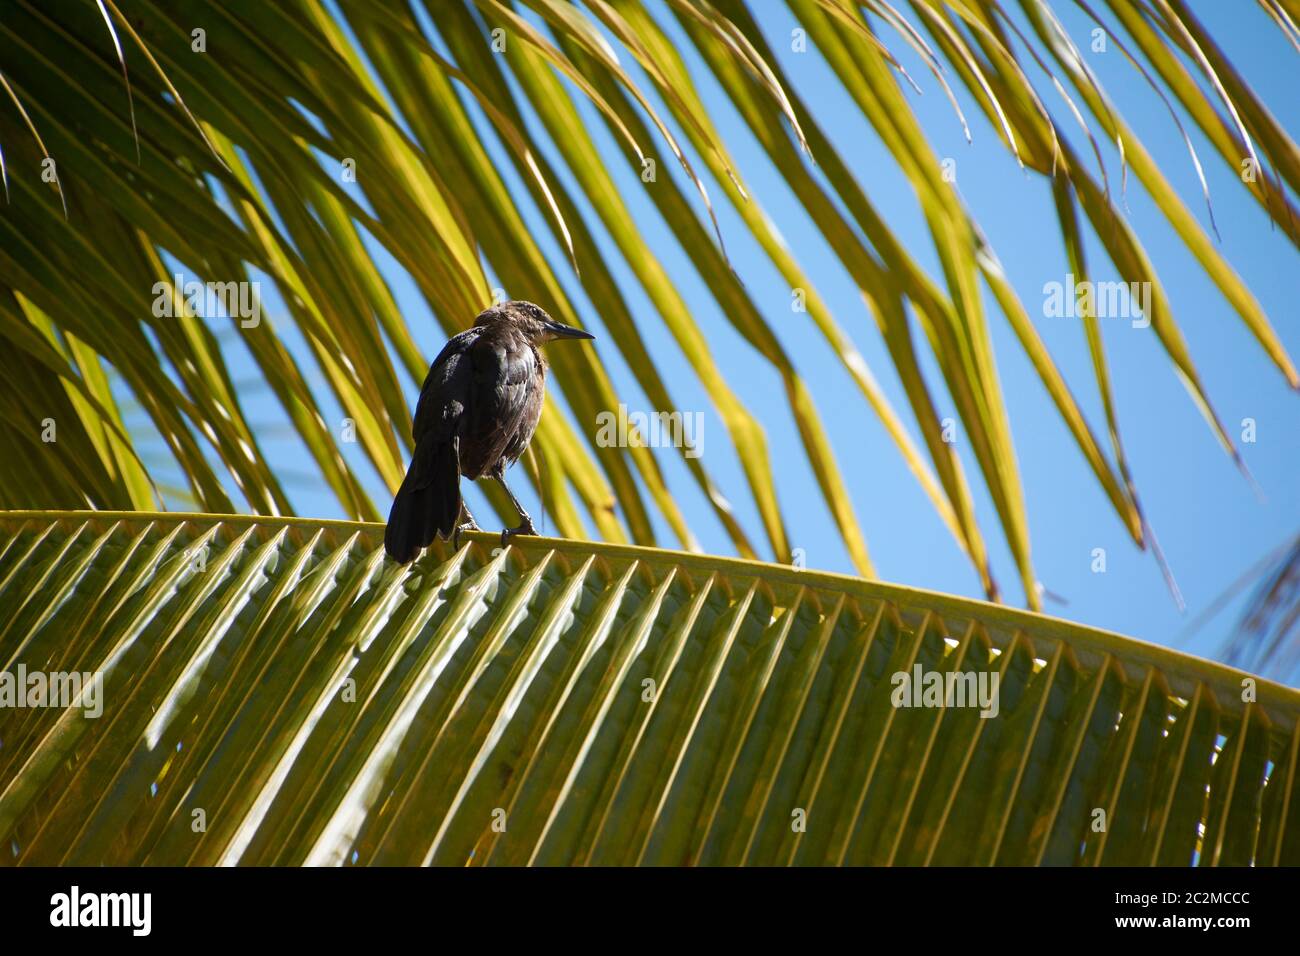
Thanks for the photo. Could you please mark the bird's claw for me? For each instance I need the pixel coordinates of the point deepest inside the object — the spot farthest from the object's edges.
(470, 525)
(524, 528)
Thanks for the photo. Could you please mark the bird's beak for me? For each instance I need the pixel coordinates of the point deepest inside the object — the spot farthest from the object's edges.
(560, 331)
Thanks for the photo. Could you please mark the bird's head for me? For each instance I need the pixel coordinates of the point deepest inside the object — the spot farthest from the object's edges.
(531, 320)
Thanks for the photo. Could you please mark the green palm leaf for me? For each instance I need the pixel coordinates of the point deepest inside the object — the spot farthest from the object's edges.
(230, 163)
(275, 692)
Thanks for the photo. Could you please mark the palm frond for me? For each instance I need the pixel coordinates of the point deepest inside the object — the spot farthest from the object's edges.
(310, 142)
(272, 691)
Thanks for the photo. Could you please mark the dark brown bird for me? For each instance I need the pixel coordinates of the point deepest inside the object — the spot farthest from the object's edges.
(478, 410)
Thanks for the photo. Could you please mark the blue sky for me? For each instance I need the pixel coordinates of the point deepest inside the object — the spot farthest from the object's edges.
(1208, 519)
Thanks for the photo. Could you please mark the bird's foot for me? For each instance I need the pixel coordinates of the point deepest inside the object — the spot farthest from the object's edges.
(470, 525)
(525, 527)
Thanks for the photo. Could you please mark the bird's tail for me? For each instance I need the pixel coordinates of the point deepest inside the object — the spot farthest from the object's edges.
(427, 504)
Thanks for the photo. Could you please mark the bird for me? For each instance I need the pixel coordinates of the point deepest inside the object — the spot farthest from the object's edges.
(477, 412)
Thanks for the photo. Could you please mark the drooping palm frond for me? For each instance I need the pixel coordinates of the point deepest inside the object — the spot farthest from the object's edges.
(272, 691)
(237, 164)
(1266, 636)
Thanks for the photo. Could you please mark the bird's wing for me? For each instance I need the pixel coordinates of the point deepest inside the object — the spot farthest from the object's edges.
(447, 390)
(504, 375)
